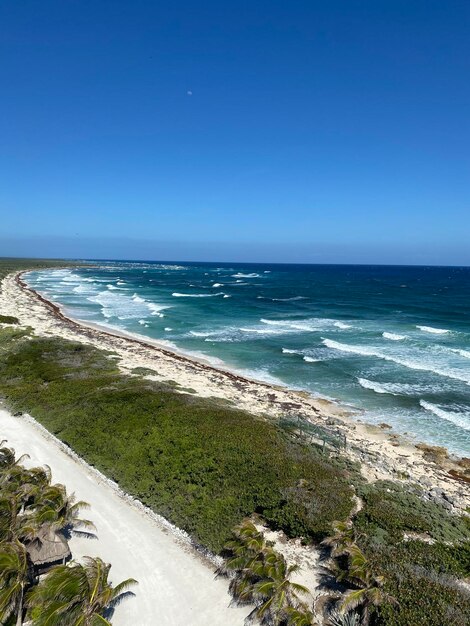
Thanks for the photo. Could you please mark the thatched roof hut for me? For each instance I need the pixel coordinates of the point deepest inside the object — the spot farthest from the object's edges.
(49, 548)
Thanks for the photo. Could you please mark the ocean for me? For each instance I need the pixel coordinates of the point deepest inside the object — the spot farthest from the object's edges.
(391, 342)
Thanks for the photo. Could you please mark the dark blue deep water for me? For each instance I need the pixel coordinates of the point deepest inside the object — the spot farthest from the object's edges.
(393, 341)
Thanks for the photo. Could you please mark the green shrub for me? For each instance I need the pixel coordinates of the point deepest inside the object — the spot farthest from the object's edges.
(424, 598)
(391, 509)
(201, 464)
(423, 579)
(8, 319)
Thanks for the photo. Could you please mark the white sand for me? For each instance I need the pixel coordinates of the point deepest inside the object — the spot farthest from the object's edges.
(176, 585)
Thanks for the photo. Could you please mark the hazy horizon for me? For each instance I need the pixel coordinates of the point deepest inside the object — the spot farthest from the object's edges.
(44, 252)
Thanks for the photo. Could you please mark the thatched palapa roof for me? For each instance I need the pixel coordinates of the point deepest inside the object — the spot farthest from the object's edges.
(50, 547)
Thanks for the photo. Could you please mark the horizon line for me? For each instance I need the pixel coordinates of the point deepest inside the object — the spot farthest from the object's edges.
(118, 260)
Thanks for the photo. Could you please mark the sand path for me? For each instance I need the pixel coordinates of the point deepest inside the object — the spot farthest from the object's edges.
(176, 585)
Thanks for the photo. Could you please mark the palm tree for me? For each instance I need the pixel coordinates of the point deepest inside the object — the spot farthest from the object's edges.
(342, 538)
(8, 458)
(248, 542)
(275, 591)
(247, 547)
(344, 619)
(14, 576)
(367, 591)
(300, 617)
(76, 595)
(60, 511)
(26, 485)
(16, 525)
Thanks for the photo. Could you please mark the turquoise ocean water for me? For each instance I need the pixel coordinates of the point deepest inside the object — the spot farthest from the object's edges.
(391, 341)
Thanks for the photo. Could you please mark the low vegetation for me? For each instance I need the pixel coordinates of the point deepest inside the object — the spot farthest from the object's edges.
(397, 582)
(202, 465)
(8, 319)
(392, 509)
(420, 551)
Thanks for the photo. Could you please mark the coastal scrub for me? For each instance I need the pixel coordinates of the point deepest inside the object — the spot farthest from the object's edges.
(203, 465)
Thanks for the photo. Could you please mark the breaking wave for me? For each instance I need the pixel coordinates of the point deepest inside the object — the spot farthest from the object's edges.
(434, 331)
(342, 325)
(196, 295)
(240, 275)
(306, 325)
(415, 365)
(464, 353)
(293, 299)
(461, 419)
(393, 336)
(377, 387)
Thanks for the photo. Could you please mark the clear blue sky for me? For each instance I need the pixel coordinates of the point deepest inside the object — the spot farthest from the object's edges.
(316, 131)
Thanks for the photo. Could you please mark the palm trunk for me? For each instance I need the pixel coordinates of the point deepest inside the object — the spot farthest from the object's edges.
(19, 619)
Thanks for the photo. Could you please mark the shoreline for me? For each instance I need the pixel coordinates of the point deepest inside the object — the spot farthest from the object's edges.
(174, 353)
(382, 454)
(148, 342)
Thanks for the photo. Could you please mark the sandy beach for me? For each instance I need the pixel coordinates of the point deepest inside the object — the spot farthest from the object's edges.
(383, 454)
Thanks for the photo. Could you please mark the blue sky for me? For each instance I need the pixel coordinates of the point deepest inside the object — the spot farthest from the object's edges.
(267, 131)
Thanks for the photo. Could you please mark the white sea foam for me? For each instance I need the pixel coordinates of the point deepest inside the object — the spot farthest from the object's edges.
(310, 359)
(266, 331)
(217, 285)
(374, 386)
(167, 329)
(293, 299)
(227, 296)
(342, 325)
(84, 289)
(197, 333)
(405, 362)
(155, 309)
(111, 287)
(161, 266)
(240, 275)
(288, 351)
(393, 336)
(116, 304)
(461, 419)
(434, 331)
(305, 325)
(137, 298)
(196, 295)
(262, 375)
(464, 353)
(399, 389)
